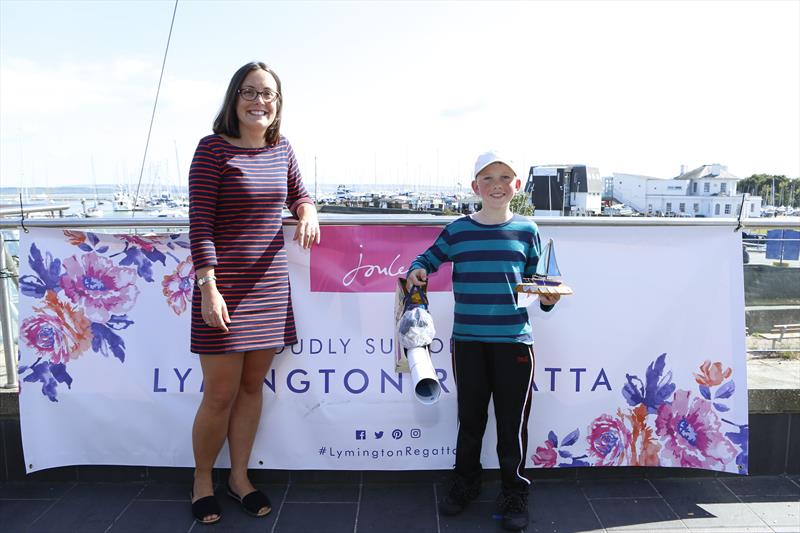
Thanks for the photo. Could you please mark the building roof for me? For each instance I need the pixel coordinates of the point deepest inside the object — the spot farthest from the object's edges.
(708, 171)
(624, 175)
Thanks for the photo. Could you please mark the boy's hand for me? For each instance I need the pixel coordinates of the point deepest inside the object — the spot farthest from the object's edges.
(549, 299)
(417, 277)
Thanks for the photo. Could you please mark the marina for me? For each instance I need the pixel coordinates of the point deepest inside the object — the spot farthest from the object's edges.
(110, 201)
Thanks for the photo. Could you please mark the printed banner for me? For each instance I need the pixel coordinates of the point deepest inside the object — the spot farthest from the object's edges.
(381, 253)
(643, 365)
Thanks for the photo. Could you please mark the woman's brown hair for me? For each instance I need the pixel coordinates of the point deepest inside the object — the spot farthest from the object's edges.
(227, 122)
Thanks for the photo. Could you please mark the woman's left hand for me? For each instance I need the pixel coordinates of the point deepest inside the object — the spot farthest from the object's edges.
(307, 231)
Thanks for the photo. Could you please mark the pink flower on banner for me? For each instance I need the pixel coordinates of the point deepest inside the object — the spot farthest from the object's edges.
(690, 434)
(177, 287)
(147, 244)
(545, 456)
(712, 374)
(58, 331)
(609, 441)
(100, 287)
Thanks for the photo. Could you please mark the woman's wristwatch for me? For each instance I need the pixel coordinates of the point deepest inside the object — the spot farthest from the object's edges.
(205, 279)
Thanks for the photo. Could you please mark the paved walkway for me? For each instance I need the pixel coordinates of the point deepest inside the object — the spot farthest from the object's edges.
(384, 502)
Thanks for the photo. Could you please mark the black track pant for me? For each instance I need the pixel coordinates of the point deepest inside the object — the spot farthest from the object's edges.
(504, 371)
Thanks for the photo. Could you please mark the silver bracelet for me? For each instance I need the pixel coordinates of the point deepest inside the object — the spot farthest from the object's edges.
(205, 279)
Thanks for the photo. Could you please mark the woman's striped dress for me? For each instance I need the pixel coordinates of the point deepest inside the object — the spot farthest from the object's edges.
(235, 201)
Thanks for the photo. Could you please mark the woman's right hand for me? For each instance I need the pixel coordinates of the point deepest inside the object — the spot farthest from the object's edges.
(213, 308)
(417, 277)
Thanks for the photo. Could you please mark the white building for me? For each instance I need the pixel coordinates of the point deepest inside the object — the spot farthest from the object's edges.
(707, 191)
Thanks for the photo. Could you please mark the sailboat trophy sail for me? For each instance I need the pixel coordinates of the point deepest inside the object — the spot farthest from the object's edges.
(547, 279)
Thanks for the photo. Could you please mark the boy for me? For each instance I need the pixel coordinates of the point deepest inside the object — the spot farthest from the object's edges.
(491, 251)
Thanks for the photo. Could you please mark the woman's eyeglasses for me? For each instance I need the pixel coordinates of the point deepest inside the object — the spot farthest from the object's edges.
(249, 94)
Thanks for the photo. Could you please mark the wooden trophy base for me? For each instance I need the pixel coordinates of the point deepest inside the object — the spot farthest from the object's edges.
(536, 288)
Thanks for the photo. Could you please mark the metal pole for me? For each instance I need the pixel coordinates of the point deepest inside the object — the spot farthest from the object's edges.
(5, 321)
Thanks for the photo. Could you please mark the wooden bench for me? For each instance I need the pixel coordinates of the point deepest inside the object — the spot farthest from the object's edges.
(780, 332)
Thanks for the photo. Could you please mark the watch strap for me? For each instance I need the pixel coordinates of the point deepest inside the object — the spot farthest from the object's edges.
(205, 279)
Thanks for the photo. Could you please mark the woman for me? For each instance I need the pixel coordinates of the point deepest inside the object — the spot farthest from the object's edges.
(240, 179)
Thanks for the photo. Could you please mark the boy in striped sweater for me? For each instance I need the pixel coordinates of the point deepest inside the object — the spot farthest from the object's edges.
(491, 251)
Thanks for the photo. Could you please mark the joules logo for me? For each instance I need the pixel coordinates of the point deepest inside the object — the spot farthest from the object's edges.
(371, 258)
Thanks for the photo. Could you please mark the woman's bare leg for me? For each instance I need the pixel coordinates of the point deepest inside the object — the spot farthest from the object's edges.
(245, 417)
(221, 378)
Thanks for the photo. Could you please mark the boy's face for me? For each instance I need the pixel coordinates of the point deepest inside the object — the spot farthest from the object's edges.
(496, 185)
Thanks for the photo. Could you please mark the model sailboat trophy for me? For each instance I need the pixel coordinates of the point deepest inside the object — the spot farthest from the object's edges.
(547, 279)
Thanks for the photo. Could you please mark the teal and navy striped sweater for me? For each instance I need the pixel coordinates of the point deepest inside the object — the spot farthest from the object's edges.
(488, 262)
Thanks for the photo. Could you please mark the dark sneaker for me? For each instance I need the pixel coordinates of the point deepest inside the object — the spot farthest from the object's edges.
(462, 491)
(514, 509)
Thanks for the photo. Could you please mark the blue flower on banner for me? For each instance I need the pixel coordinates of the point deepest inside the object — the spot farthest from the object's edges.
(547, 455)
(48, 273)
(656, 389)
(741, 439)
(48, 374)
(86, 241)
(177, 239)
(142, 252)
(104, 340)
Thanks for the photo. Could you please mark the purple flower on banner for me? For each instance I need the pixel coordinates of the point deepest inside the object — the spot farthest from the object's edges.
(690, 433)
(179, 240)
(49, 375)
(105, 341)
(548, 455)
(57, 332)
(609, 441)
(48, 274)
(142, 252)
(100, 287)
(656, 389)
(88, 242)
(741, 439)
(178, 286)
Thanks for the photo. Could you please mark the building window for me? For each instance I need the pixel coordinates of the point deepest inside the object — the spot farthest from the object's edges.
(706, 187)
(669, 207)
(723, 187)
(696, 208)
(752, 206)
(694, 187)
(682, 207)
(727, 209)
(716, 209)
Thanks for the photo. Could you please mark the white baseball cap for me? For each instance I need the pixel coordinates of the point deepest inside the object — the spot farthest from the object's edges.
(492, 156)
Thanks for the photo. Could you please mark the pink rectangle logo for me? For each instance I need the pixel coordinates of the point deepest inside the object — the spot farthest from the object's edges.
(371, 258)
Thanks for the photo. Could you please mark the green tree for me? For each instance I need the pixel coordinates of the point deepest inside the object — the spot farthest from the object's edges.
(521, 204)
(787, 190)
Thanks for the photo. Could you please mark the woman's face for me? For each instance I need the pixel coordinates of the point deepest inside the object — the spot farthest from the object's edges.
(257, 115)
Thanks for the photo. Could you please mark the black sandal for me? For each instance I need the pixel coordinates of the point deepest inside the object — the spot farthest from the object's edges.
(204, 507)
(253, 502)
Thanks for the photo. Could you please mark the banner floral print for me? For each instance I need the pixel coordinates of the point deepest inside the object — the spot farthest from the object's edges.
(83, 300)
(663, 427)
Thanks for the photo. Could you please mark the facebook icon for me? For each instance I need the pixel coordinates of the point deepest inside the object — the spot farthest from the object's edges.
(361, 434)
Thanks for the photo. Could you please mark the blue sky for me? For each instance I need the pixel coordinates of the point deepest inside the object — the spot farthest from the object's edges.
(385, 92)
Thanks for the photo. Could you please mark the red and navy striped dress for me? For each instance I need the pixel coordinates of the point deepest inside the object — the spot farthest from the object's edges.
(235, 200)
